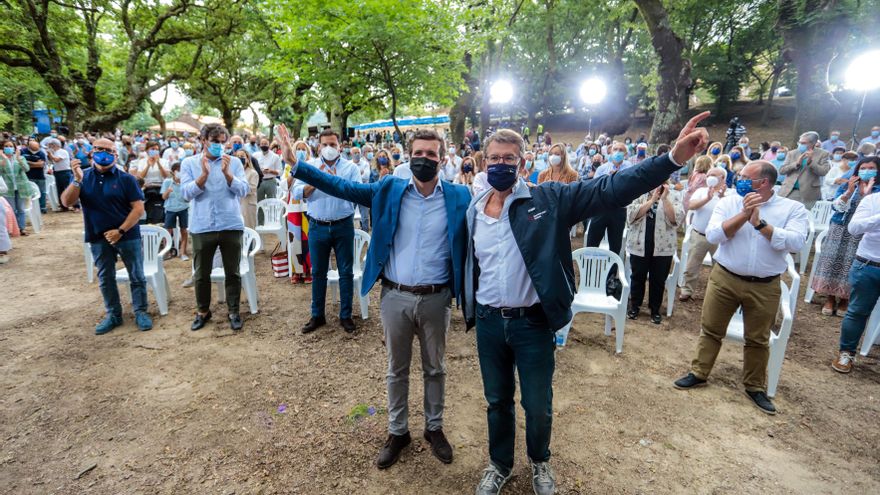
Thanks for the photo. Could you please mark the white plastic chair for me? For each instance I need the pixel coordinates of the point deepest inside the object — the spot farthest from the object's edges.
(52, 193)
(152, 239)
(280, 192)
(821, 214)
(872, 330)
(808, 296)
(778, 340)
(90, 261)
(250, 245)
(274, 219)
(361, 243)
(33, 211)
(593, 266)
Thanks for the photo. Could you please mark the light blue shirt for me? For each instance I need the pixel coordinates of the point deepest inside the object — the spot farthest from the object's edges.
(609, 166)
(420, 252)
(870, 139)
(322, 206)
(175, 201)
(217, 207)
(829, 145)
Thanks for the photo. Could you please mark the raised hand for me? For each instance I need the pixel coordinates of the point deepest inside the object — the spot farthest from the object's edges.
(224, 160)
(851, 185)
(867, 187)
(285, 144)
(691, 140)
(77, 170)
(751, 203)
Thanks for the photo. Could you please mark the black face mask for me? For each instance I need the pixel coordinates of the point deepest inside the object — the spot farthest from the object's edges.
(264, 148)
(423, 168)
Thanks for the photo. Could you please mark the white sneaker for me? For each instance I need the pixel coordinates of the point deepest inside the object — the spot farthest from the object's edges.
(543, 480)
(492, 481)
(184, 257)
(4, 258)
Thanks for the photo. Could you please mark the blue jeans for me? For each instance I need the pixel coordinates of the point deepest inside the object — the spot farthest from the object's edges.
(865, 282)
(340, 238)
(16, 201)
(132, 255)
(526, 345)
(365, 218)
(41, 185)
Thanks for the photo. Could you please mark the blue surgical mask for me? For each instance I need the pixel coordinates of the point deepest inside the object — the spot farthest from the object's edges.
(875, 134)
(617, 157)
(838, 157)
(743, 187)
(853, 163)
(188, 152)
(735, 156)
(215, 149)
(716, 151)
(396, 156)
(236, 147)
(103, 158)
(370, 155)
(834, 138)
(9, 150)
(592, 152)
(641, 154)
(300, 155)
(866, 175)
(528, 164)
(501, 176)
(153, 153)
(174, 145)
(802, 148)
(780, 156)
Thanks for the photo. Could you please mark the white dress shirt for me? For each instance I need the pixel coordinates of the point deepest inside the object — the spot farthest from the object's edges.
(748, 252)
(700, 220)
(420, 252)
(403, 171)
(154, 176)
(608, 167)
(172, 155)
(269, 161)
(481, 183)
(504, 281)
(363, 166)
(866, 220)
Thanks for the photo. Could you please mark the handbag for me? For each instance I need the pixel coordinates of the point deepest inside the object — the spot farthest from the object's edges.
(280, 265)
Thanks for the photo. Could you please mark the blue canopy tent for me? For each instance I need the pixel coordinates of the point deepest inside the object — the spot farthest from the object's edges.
(404, 122)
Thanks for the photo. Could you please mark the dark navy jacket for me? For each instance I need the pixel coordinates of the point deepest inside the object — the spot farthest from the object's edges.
(541, 218)
(384, 198)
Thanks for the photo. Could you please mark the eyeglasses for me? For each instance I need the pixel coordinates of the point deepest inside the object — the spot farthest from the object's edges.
(742, 177)
(506, 159)
(99, 149)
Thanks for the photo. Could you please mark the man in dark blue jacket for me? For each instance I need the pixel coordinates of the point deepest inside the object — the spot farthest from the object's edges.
(519, 285)
(418, 251)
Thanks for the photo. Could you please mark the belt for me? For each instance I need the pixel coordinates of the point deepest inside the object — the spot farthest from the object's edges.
(328, 223)
(869, 262)
(419, 290)
(748, 278)
(698, 232)
(510, 313)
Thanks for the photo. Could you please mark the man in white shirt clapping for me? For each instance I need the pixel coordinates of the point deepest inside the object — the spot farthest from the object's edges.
(754, 230)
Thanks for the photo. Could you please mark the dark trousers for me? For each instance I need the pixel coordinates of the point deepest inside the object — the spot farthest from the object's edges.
(339, 238)
(654, 269)
(525, 345)
(204, 246)
(612, 221)
(62, 180)
(41, 185)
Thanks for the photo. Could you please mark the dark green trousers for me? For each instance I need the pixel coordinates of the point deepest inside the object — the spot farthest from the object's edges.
(204, 246)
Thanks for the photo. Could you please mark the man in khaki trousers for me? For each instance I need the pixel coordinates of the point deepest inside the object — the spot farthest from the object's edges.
(754, 230)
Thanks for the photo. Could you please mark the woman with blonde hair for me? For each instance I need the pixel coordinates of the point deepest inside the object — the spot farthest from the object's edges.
(559, 169)
(697, 178)
(726, 163)
(297, 224)
(714, 151)
(739, 159)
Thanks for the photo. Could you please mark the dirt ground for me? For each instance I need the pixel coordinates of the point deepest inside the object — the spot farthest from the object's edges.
(180, 412)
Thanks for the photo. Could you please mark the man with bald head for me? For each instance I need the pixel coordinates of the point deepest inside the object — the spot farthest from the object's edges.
(754, 229)
(112, 204)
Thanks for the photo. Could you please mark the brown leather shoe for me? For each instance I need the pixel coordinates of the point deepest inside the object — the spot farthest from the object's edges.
(684, 297)
(390, 452)
(439, 445)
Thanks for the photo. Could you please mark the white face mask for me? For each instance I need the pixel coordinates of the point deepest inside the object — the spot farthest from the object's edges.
(711, 181)
(555, 160)
(329, 153)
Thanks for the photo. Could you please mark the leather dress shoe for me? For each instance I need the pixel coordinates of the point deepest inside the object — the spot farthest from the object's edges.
(347, 325)
(439, 445)
(390, 452)
(314, 323)
(200, 321)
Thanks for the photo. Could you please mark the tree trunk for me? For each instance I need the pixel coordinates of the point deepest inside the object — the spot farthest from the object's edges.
(343, 122)
(806, 45)
(674, 70)
(229, 117)
(394, 111)
(774, 83)
(614, 116)
(463, 104)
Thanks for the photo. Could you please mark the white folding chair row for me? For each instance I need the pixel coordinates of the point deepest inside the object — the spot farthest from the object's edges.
(872, 330)
(274, 219)
(820, 217)
(52, 197)
(593, 265)
(778, 340)
(361, 244)
(808, 296)
(156, 242)
(33, 211)
(250, 244)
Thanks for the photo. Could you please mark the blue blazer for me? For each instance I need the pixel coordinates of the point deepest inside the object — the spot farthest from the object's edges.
(384, 198)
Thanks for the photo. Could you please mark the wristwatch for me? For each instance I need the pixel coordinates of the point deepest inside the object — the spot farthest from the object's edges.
(761, 225)
(77, 183)
(122, 231)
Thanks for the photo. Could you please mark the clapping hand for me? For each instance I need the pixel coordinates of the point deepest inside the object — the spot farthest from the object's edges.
(751, 203)
(205, 168)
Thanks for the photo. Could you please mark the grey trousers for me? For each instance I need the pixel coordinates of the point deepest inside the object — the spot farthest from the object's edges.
(405, 315)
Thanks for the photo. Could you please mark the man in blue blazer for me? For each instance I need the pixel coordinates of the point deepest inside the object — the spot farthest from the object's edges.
(418, 252)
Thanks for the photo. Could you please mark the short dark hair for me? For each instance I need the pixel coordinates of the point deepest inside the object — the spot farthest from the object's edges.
(211, 131)
(328, 132)
(768, 171)
(427, 135)
(152, 144)
(663, 148)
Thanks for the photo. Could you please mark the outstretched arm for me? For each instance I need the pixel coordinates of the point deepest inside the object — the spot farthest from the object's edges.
(349, 190)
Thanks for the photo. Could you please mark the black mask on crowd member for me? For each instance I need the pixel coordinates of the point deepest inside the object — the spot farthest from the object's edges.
(423, 168)
(264, 148)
